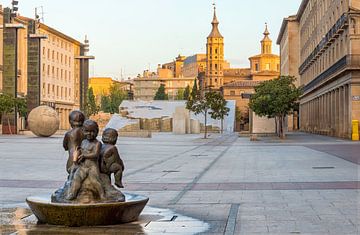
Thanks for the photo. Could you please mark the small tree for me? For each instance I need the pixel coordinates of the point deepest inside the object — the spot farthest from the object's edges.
(111, 103)
(180, 94)
(160, 94)
(194, 92)
(275, 99)
(9, 104)
(199, 104)
(219, 109)
(105, 104)
(91, 108)
(187, 92)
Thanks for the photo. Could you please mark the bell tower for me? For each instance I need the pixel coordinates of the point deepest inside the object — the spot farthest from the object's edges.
(266, 43)
(214, 57)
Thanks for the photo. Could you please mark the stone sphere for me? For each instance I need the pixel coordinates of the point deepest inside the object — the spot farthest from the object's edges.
(43, 121)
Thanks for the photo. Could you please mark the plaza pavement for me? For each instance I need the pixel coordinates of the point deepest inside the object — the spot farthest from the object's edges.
(306, 184)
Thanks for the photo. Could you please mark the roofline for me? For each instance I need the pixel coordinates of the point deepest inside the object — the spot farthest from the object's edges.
(301, 9)
(58, 33)
(284, 26)
(52, 30)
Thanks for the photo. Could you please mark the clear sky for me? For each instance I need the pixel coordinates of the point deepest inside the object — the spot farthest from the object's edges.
(133, 35)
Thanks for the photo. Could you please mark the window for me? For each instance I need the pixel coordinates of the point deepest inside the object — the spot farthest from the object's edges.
(48, 89)
(256, 67)
(267, 66)
(232, 92)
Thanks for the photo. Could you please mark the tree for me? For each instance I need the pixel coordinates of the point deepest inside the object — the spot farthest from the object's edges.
(187, 92)
(275, 99)
(180, 94)
(202, 104)
(111, 103)
(194, 92)
(9, 104)
(218, 108)
(160, 94)
(91, 108)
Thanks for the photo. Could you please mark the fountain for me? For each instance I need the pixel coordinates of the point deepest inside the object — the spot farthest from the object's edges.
(88, 197)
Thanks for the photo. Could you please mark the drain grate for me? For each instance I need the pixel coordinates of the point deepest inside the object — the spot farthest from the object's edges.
(171, 171)
(199, 155)
(323, 167)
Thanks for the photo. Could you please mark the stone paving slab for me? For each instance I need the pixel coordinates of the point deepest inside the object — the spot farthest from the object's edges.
(263, 187)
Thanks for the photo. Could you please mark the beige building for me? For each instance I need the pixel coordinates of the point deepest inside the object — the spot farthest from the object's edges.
(193, 65)
(145, 87)
(60, 72)
(289, 42)
(329, 65)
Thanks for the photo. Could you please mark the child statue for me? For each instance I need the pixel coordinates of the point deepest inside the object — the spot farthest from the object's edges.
(74, 137)
(87, 161)
(110, 161)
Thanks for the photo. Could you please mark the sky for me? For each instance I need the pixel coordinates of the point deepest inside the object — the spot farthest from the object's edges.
(129, 36)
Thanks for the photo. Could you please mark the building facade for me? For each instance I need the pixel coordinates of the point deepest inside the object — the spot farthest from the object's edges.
(329, 65)
(289, 42)
(101, 86)
(60, 72)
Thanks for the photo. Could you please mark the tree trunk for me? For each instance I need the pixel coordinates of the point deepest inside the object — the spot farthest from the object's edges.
(276, 126)
(222, 126)
(205, 133)
(8, 121)
(281, 127)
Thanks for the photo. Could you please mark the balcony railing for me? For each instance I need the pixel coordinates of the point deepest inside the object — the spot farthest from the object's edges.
(333, 33)
(346, 63)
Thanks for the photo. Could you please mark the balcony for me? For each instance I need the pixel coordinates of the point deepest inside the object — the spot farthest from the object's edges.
(325, 42)
(349, 62)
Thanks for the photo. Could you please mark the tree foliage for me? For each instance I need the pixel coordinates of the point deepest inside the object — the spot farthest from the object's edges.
(275, 99)
(187, 92)
(9, 104)
(160, 94)
(208, 104)
(180, 94)
(195, 91)
(91, 107)
(218, 108)
(111, 103)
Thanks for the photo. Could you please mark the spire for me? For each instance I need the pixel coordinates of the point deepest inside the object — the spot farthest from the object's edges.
(266, 34)
(215, 31)
(266, 43)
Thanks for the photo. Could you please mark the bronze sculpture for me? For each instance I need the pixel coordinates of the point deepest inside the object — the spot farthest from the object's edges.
(90, 164)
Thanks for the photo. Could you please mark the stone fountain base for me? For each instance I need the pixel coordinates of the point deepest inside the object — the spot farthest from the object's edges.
(87, 214)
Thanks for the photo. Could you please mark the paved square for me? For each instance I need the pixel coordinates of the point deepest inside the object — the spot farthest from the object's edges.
(307, 184)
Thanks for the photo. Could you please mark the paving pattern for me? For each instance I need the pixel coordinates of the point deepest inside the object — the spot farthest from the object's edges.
(306, 184)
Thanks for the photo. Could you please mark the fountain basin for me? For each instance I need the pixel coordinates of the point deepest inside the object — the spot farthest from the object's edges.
(87, 214)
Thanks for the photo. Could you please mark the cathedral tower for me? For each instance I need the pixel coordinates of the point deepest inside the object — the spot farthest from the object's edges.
(214, 57)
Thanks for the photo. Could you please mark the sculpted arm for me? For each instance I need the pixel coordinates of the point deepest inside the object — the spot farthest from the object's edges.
(66, 142)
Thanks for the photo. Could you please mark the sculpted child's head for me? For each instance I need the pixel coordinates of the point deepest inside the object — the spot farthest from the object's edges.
(91, 129)
(76, 118)
(109, 136)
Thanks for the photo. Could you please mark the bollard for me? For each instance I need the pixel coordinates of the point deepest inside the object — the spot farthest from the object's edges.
(355, 130)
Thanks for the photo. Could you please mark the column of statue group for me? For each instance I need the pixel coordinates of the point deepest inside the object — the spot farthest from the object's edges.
(90, 164)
